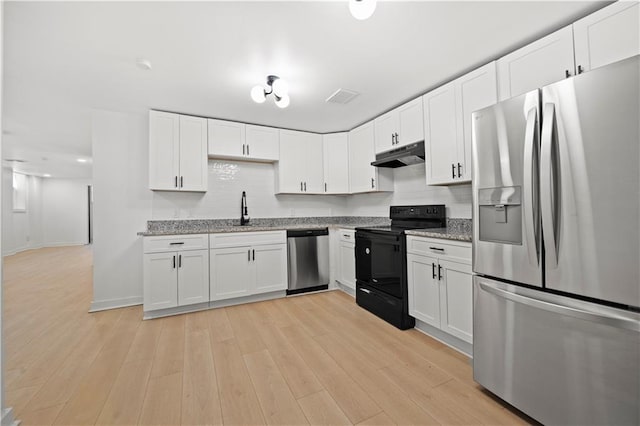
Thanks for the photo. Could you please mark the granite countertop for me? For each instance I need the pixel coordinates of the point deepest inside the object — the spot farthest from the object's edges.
(213, 226)
(457, 229)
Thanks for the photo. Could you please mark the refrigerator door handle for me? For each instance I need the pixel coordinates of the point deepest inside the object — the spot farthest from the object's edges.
(530, 187)
(547, 186)
(599, 317)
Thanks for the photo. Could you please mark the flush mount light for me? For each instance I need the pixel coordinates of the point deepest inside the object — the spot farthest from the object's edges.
(81, 160)
(362, 9)
(276, 86)
(46, 175)
(143, 64)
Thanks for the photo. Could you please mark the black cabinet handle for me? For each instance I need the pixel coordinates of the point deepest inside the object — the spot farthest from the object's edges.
(397, 139)
(243, 149)
(301, 186)
(254, 254)
(453, 171)
(439, 272)
(580, 69)
(249, 255)
(305, 187)
(393, 139)
(325, 187)
(174, 262)
(176, 181)
(176, 244)
(436, 248)
(459, 170)
(373, 183)
(567, 74)
(248, 149)
(179, 261)
(433, 271)
(181, 181)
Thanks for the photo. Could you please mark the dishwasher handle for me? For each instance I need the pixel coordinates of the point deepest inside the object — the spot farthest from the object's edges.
(297, 233)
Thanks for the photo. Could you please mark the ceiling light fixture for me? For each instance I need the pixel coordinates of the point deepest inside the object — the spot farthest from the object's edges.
(277, 86)
(143, 64)
(362, 9)
(46, 175)
(81, 160)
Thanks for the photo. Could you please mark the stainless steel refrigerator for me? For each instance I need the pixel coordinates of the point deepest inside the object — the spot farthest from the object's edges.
(556, 248)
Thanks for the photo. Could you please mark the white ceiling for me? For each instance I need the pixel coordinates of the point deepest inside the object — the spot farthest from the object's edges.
(63, 59)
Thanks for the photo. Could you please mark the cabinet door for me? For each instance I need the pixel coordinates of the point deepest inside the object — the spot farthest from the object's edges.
(314, 167)
(270, 266)
(456, 300)
(347, 272)
(542, 62)
(410, 123)
(386, 126)
(336, 163)
(263, 143)
(291, 166)
(164, 150)
(193, 154)
(226, 139)
(606, 36)
(160, 281)
(193, 277)
(230, 273)
(423, 288)
(441, 135)
(362, 174)
(475, 90)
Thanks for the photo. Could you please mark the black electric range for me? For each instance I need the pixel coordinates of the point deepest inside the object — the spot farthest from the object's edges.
(381, 262)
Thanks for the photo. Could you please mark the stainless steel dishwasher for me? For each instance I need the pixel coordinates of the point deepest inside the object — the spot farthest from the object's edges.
(308, 260)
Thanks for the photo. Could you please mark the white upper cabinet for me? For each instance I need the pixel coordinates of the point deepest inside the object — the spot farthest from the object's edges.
(226, 139)
(336, 163)
(542, 62)
(363, 177)
(447, 124)
(239, 141)
(301, 168)
(399, 127)
(177, 152)
(262, 143)
(608, 35)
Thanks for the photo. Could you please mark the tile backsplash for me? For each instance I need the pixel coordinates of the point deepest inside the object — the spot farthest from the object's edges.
(227, 180)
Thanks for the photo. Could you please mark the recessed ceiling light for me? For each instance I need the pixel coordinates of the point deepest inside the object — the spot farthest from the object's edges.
(362, 9)
(143, 64)
(46, 175)
(81, 160)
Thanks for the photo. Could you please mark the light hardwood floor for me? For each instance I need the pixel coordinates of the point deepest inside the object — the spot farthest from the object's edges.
(316, 359)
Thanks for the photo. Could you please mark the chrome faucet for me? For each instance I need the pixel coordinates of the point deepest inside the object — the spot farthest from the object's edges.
(244, 212)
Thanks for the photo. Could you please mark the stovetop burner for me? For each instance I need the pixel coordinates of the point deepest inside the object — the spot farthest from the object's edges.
(412, 217)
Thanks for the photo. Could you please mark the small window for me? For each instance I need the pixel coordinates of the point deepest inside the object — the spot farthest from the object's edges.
(19, 192)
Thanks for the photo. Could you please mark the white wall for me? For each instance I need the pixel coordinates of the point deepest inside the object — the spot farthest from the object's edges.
(56, 214)
(227, 180)
(410, 188)
(121, 208)
(65, 212)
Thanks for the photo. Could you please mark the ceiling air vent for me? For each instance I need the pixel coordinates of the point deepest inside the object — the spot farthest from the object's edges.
(342, 96)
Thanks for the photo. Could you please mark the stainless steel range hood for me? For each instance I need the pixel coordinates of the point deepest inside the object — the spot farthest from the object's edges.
(403, 156)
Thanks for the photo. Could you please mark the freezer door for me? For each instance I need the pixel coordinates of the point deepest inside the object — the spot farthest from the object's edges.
(559, 360)
(590, 183)
(506, 230)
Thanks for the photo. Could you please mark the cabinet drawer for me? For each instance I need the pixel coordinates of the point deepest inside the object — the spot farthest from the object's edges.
(238, 239)
(165, 243)
(348, 235)
(460, 251)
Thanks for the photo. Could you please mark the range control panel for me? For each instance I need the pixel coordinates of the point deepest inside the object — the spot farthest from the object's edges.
(429, 211)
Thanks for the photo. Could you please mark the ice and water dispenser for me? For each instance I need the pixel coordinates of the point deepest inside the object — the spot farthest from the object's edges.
(500, 214)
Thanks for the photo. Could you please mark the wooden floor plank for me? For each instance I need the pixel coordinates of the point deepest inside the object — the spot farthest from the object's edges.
(169, 358)
(238, 399)
(162, 401)
(321, 409)
(381, 419)
(278, 404)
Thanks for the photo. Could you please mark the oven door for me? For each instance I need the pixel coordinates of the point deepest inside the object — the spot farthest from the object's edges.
(379, 261)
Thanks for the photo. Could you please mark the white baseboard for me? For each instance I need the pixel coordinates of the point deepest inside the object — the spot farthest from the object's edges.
(442, 337)
(346, 289)
(103, 305)
(7, 418)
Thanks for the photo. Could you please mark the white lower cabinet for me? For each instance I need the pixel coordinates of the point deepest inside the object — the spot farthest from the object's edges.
(247, 263)
(439, 277)
(176, 271)
(347, 258)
